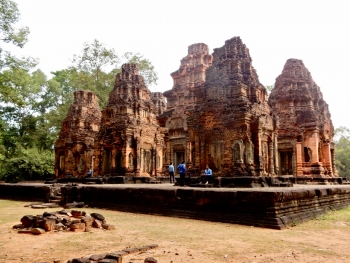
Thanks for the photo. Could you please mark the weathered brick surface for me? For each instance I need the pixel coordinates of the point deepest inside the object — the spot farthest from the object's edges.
(130, 134)
(304, 118)
(74, 147)
(49, 224)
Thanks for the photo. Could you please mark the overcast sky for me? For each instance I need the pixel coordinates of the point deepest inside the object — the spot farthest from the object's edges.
(316, 32)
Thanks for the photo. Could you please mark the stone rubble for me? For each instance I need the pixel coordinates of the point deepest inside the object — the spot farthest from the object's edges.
(113, 257)
(64, 220)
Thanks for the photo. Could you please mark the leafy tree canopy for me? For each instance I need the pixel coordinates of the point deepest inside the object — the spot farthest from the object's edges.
(32, 107)
(342, 151)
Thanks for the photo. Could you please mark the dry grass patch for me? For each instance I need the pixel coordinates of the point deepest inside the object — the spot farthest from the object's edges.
(179, 240)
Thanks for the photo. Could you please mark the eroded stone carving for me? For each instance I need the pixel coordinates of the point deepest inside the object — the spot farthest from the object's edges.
(129, 129)
(304, 120)
(216, 113)
(74, 147)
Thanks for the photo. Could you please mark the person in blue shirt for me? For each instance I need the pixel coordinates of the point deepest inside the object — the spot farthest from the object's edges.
(208, 175)
(171, 173)
(182, 170)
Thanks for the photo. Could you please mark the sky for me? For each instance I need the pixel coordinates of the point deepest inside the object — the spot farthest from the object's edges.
(316, 32)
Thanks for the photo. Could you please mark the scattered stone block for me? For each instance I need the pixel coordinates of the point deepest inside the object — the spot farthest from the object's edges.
(37, 231)
(25, 231)
(66, 221)
(27, 221)
(39, 207)
(150, 260)
(108, 260)
(35, 203)
(65, 212)
(131, 250)
(50, 205)
(74, 205)
(97, 257)
(77, 227)
(97, 223)
(49, 214)
(49, 224)
(75, 221)
(60, 226)
(114, 256)
(153, 246)
(17, 226)
(108, 226)
(122, 253)
(98, 216)
(88, 220)
(81, 260)
(76, 213)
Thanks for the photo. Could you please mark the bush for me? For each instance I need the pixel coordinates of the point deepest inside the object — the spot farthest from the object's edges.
(29, 164)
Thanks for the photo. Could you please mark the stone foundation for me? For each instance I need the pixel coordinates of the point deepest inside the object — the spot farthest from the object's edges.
(275, 208)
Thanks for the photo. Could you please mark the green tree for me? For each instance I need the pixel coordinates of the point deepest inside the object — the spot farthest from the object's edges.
(269, 88)
(9, 15)
(342, 151)
(26, 135)
(28, 164)
(96, 67)
(146, 67)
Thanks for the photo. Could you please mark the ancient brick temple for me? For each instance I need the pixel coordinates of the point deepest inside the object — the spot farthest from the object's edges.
(189, 78)
(216, 113)
(305, 132)
(75, 145)
(130, 140)
(219, 113)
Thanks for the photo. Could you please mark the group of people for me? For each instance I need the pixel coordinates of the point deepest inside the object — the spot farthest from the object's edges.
(208, 173)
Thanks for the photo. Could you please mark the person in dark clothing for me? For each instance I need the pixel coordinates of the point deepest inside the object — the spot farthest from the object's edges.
(182, 170)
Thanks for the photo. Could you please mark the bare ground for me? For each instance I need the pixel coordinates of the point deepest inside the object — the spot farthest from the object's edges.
(180, 240)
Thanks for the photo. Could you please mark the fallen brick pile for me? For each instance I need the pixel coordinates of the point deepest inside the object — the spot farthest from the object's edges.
(64, 220)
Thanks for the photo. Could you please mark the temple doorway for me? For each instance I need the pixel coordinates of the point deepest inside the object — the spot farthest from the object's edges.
(286, 162)
(178, 158)
(106, 164)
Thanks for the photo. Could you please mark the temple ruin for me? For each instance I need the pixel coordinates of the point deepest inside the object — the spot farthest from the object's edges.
(216, 113)
(305, 131)
(130, 140)
(75, 146)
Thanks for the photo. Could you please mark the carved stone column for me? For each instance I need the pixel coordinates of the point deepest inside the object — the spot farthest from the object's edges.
(138, 155)
(276, 154)
(202, 151)
(299, 160)
(272, 170)
(197, 153)
(327, 158)
(188, 151)
(335, 173)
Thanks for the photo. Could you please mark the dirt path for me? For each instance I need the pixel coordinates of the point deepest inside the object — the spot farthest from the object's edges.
(179, 240)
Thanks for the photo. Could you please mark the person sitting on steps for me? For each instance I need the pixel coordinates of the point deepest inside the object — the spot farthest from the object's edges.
(208, 175)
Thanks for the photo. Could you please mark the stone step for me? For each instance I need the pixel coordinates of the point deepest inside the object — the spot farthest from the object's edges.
(153, 182)
(202, 185)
